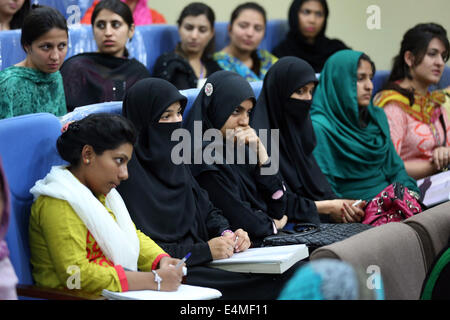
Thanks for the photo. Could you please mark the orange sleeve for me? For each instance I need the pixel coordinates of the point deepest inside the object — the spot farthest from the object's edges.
(157, 17)
(88, 15)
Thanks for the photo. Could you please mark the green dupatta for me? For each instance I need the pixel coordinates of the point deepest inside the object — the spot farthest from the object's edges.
(25, 90)
(358, 162)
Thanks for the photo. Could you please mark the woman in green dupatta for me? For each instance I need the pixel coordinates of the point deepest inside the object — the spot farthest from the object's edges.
(354, 149)
(35, 84)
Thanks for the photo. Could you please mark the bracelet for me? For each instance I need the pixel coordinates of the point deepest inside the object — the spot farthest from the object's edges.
(225, 231)
(158, 279)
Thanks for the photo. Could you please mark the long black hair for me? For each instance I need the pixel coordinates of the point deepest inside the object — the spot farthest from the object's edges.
(102, 131)
(415, 40)
(19, 16)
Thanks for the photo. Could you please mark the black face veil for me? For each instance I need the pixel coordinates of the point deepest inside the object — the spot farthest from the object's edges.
(158, 193)
(275, 109)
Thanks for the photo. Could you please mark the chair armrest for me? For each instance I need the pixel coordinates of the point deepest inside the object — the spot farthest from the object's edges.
(32, 291)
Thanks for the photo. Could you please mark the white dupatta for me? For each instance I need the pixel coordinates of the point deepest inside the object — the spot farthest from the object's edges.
(118, 240)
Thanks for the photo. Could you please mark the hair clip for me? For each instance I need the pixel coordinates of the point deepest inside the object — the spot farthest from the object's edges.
(66, 126)
(72, 125)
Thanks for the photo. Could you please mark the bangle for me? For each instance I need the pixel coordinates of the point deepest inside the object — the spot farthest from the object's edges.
(158, 279)
(225, 231)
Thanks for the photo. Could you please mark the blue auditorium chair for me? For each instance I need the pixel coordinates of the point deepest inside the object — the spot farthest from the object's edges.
(445, 79)
(11, 51)
(381, 76)
(64, 6)
(28, 151)
(81, 112)
(148, 43)
(379, 79)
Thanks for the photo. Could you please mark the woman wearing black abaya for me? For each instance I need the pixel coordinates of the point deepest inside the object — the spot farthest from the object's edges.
(284, 104)
(306, 37)
(165, 201)
(248, 198)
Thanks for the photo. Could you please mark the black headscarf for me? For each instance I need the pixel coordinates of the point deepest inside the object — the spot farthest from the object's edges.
(276, 110)
(158, 194)
(217, 100)
(96, 77)
(295, 43)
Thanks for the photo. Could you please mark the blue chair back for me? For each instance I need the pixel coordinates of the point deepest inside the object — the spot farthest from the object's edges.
(116, 106)
(148, 43)
(11, 51)
(81, 112)
(28, 151)
(379, 79)
(445, 80)
(66, 6)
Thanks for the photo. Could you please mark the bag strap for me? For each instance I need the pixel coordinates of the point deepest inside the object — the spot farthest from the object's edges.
(441, 119)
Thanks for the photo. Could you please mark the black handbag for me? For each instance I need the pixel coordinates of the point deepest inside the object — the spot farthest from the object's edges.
(315, 236)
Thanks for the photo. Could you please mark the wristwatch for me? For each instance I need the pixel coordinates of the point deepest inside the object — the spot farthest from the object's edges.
(158, 279)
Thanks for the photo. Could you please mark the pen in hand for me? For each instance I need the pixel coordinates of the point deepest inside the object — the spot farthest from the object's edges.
(183, 260)
(356, 203)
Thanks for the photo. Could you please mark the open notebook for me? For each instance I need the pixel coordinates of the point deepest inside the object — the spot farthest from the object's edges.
(184, 292)
(263, 260)
(435, 189)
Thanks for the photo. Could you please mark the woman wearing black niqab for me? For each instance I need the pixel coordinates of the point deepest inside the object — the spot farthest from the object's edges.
(165, 201)
(248, 198)
(296, 43)
(284, 104)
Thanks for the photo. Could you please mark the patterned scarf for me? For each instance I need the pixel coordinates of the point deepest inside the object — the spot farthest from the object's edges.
(426, 108)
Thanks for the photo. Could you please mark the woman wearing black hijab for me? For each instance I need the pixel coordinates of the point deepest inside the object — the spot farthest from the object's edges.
(165, 201)
(284, 104)
(248, 198)
(306, 37)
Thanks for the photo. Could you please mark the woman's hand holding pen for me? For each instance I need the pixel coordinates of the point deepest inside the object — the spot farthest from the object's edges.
(166, 261)
(171, 277)
(241, 240)
(230, 242)
(221, 247)
(171, 272)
